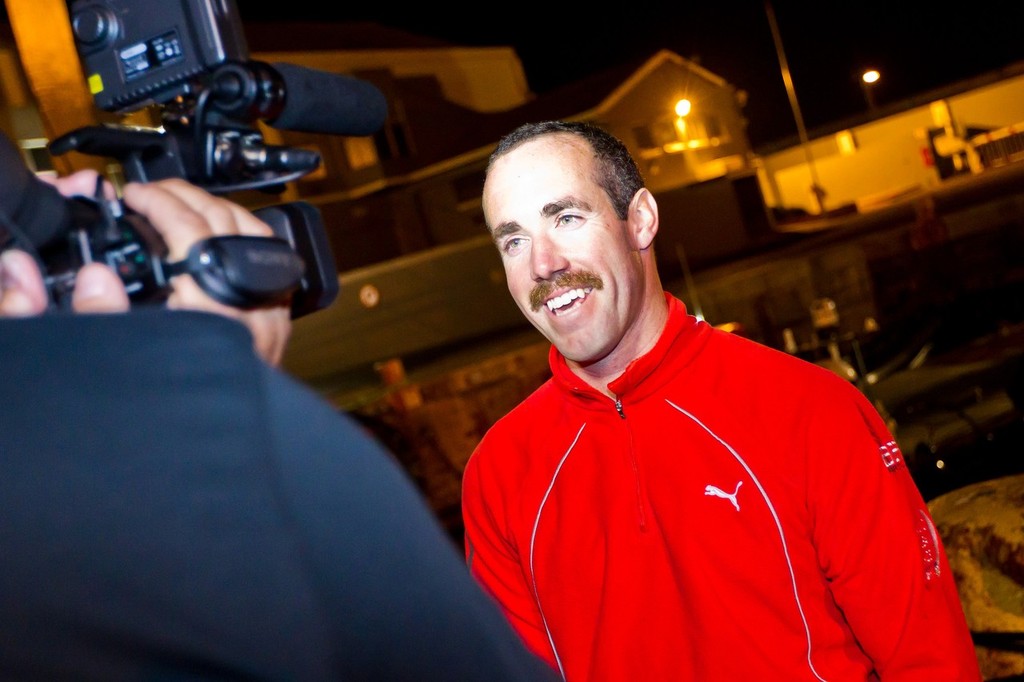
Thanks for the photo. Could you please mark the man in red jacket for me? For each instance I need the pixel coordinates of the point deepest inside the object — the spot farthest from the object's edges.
(677, 502)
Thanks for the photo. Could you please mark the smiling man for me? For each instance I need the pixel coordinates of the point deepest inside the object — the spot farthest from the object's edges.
(677, 502)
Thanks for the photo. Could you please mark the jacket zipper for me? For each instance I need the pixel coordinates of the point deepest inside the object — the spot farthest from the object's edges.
(641, 514)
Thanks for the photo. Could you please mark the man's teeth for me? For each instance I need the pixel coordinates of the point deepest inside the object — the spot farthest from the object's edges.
(566, 298)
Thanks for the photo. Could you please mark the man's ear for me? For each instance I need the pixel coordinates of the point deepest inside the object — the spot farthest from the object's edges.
(643, 218)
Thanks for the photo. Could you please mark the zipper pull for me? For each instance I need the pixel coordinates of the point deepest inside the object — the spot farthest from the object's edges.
(618, 406)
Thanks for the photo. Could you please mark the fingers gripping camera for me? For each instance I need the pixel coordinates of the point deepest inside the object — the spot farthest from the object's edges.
(236, 270)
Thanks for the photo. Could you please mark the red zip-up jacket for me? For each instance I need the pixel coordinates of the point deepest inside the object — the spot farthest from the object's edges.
(736, 514)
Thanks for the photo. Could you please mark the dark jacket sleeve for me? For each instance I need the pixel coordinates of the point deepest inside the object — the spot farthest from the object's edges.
(405, 605)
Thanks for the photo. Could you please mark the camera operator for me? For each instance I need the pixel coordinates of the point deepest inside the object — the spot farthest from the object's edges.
(174, 506)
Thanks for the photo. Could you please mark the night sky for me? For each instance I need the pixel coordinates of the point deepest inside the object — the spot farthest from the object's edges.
(917, 46)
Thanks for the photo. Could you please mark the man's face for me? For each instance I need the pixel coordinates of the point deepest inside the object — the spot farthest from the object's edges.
(572, 266)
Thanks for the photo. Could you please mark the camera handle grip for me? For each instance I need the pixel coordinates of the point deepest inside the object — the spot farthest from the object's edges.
(242, 271)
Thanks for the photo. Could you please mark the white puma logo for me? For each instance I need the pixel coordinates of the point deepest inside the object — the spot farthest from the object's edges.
(718, 492)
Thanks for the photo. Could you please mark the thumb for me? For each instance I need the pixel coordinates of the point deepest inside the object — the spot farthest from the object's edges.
(22, 291)
(98, 290)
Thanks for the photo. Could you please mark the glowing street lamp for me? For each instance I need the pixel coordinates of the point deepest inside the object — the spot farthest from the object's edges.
(682, 110)
(867, 84)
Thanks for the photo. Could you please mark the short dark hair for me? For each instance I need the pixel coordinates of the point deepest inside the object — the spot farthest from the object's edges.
(618, 174)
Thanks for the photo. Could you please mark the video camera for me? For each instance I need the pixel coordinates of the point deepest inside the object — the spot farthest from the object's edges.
(190, 60)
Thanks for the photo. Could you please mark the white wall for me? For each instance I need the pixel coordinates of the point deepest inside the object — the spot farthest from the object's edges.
(889, 158)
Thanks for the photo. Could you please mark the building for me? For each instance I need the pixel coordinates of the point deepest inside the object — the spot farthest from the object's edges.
(423, 340)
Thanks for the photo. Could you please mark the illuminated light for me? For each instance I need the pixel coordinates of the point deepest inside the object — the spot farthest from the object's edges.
(868, 79)
(683, 107)
(939, 464)
(369, 296)
(730, 327)
(846, 142)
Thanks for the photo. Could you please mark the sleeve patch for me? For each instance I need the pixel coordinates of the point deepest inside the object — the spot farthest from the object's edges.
(892, 457)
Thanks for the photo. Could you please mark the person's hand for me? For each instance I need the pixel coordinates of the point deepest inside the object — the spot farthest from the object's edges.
(22, 291)
(185, 214)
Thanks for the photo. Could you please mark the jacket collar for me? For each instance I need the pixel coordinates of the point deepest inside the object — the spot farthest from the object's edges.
(679, 343)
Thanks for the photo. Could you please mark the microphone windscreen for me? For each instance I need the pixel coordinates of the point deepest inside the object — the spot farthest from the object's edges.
(322, 102)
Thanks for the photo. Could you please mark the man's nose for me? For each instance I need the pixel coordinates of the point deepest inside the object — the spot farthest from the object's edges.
(546, 259)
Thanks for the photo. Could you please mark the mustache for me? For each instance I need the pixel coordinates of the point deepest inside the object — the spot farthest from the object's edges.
(567, 280)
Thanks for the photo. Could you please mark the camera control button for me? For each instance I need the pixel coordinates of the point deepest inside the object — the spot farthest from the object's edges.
(94, 26)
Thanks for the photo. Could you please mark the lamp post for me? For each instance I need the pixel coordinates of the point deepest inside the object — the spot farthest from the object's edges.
(817, 191)
(867, 84)
(682, 110)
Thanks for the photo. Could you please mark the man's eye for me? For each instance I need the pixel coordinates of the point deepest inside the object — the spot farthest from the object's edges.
(512, 245)
(567, 219)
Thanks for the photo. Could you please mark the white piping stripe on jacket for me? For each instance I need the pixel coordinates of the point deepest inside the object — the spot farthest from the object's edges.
(764, 496)
(533, 539)
(778, 526)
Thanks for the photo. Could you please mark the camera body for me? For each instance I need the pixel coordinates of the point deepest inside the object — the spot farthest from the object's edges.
(100, 232)
(138, 53)
(238, 271)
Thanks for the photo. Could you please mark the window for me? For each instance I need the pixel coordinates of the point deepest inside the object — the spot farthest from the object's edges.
(360, 152)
